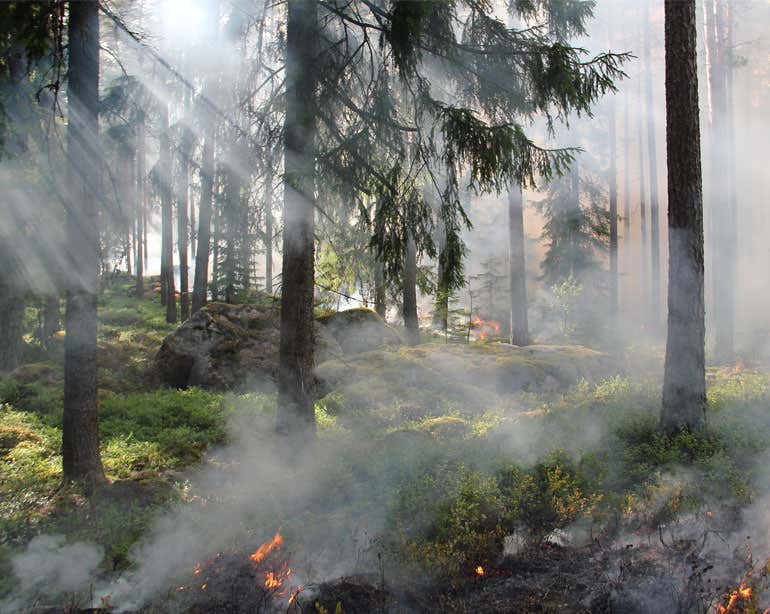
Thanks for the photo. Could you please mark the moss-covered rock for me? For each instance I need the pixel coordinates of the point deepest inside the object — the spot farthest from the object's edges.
(359, 330)
(226, 346)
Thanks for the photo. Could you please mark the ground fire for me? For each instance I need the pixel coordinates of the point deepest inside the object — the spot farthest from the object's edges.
(485, 328)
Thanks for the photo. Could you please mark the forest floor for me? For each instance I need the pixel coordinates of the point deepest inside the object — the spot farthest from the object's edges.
(566, 500)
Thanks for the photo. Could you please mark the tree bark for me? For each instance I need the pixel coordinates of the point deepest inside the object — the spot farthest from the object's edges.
(517, 268)
(182, 219)
(652, 152)
(411, 322)
(11, 309)
(574, 216)
(626, 187)
(167, 219)
(645, 302)
(51, 318)
(721, 209)
(613, 180)
(232, 201)
(200, 285)
(81, 461)
(441, 313)
(296, 416)
(269, 228)
(140, 206)
(684, 384)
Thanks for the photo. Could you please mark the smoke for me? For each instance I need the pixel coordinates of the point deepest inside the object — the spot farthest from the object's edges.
(50, 566)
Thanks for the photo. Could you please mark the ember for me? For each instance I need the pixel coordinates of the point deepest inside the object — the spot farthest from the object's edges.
(479, 571)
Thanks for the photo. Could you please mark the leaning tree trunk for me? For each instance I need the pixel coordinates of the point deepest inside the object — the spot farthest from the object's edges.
(684, 384)
(167, 219)
(411, 323)
(517, 268)
(200, 285)
(295, 416)
(613, 216)
(81, 461)
(652, 152)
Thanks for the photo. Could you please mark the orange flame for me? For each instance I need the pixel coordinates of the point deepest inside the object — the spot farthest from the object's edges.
(479, 571)
(743, 592)
(485, 327)
(261, 553)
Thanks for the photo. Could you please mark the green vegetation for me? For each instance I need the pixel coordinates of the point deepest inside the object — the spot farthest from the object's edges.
(448, 485)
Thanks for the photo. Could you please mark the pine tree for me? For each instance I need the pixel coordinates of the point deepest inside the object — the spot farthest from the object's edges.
(517, 268)
(684, 384)
(295, 378)
(81, 460)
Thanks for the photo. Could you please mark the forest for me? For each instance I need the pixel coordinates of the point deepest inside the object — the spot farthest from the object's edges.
(398, 306)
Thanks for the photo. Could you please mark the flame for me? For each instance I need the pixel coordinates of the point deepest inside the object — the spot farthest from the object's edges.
(743, 592)
(294, 594)
(261, 553)
(271, 581)
(479, 571)
(485, 327)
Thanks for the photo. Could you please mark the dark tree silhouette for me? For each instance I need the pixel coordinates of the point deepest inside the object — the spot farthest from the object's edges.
(295, 377)
(81, 461)
(684, 384)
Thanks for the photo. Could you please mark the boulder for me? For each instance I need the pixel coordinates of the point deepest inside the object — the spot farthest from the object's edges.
(360, 330)
(223, 346)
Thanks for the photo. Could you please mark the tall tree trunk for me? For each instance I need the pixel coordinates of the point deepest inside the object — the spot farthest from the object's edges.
(411, 323)
(295, 414)
(167, 218)
(652, 152)
(626, 185)
(200, 285)
(217, 236)
(232, 201)
(441, 308)
(380, 300)
(574, 216)
(380, 305)
(141, 195)
(11, 308)
(613, 215)
(81, 461)
(722, 215)
(684, 383)
(51, 318)
(269, 228)
(182, 219)
(645, 302)
(517, 268)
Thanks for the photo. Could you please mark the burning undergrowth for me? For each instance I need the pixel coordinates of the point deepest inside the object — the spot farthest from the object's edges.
(557, 510)
(232, 581)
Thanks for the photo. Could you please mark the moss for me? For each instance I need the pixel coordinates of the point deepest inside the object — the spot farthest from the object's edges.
(12, 435)
(446, 426)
